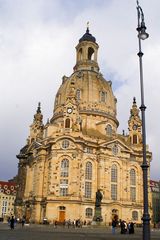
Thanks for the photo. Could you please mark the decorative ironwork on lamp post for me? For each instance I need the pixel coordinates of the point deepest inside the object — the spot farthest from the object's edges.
(142, 35)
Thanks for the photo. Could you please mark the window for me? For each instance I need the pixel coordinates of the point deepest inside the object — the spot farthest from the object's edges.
(88, 187)
(4, 207)
(64, 168)
(89, 212)
(109, 130)
(135, 215)
(103, 96)
(62, 208)
(89, 150)
(78, 94)
(67, 123)
(114, 173)
(90, 53)
(114, 177)
(132, 177)
(63, 187)
(65, 143)
(134, 139)
(114, 191)
(132, 185)
(133, 194)
(64, 174)
(88, 180)
(115, 149)
(88, 172)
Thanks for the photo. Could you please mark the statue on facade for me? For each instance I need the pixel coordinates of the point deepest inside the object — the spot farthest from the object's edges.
(98, 198)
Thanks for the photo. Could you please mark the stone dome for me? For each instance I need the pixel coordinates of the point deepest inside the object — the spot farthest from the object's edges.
(86, 92)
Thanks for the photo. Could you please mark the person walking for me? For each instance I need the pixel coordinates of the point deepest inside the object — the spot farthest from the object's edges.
(23, 221)
(12, 223)
(113, 226)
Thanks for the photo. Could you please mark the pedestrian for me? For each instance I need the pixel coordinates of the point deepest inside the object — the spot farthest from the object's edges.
(55, 223)
(125, 227)
(23, 221)
(131, 228)
(122, 227)
(12, 223)
(113, 226)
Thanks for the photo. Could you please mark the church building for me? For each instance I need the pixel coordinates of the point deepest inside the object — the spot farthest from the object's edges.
(79, 152)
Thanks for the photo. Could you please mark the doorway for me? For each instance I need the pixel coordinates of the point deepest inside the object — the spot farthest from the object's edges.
(62, 213)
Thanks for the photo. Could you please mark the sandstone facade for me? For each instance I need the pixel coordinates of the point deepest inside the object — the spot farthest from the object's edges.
(79, 151)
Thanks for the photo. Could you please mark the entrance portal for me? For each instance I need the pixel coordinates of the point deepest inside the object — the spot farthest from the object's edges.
(62, 213)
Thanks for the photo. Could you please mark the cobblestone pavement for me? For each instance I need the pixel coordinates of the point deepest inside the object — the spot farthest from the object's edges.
(43, 232)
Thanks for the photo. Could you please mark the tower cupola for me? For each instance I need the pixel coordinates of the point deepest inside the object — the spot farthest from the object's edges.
(87, 37)
(86, 52)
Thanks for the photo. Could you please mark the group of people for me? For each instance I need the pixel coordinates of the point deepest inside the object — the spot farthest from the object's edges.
(125, 228)
(76, 223)
(12, 222)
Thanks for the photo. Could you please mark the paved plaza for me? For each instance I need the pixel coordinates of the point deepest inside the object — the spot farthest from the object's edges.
(47, 232)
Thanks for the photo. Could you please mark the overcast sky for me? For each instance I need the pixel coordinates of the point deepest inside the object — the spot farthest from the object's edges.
(37, 47)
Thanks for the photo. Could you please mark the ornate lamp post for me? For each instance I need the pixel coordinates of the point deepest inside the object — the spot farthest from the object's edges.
(142, 35)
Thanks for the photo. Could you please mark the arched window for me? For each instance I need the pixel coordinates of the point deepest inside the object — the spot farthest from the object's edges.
(88, 172)
(78, 94)
(132, 185)
(80, 54)
(64, 168)
(114, 173)
(109, 129)
(135, 215)
(67, 123)
(88, 180)
(90, 53)
(89, 212)
(134, 139)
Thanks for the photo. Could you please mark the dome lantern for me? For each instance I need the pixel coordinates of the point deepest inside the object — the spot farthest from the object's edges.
(86, 52)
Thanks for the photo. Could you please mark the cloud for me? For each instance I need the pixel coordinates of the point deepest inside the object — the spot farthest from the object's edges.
(37, 47)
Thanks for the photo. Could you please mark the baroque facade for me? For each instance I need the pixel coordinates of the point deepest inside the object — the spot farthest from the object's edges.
(79, 152)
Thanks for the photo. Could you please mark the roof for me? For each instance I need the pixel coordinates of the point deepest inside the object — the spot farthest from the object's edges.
(9, 188)
(87, 37)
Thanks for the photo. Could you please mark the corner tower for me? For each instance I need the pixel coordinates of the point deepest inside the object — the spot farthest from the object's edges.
(135, 124)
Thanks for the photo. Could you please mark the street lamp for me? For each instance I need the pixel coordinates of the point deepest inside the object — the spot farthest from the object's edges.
(142, 35)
